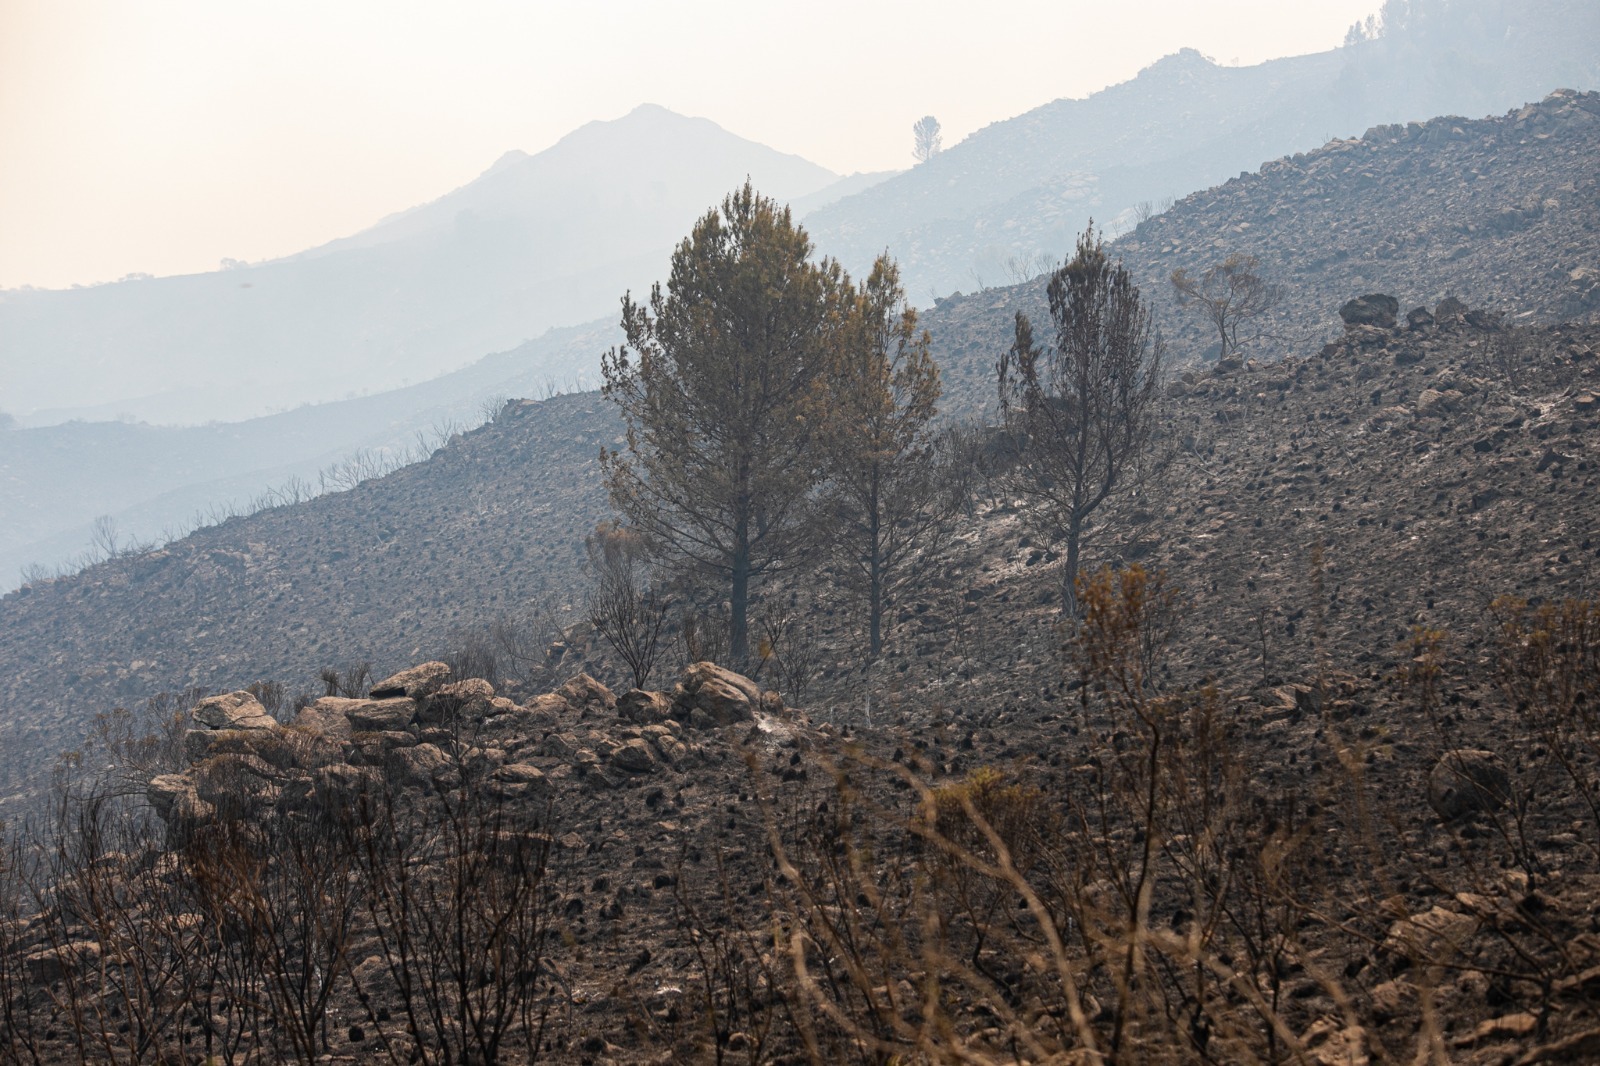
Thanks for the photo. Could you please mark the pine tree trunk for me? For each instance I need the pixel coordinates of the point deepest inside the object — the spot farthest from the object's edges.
(1069, 576)
(875, 577)
(875, 615)
(739, 608)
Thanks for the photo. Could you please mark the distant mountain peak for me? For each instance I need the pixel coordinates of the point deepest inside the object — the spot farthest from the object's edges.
(649, 110)
(1183, 61)
(509, 159)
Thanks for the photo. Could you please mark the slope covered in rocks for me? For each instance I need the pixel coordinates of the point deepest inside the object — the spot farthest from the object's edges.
(488, 527)
(1501, 212)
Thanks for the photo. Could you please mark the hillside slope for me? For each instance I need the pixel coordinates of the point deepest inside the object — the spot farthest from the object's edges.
(386, 572)
(383, 572)
(1501, 212)
(55, 480)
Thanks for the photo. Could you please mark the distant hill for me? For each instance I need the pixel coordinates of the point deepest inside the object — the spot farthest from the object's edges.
(551, 239)
(389, 570)
(1502, 212)
(1026, 186)
(56, 480)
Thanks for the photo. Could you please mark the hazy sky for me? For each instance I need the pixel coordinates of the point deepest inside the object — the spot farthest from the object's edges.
(160, 136)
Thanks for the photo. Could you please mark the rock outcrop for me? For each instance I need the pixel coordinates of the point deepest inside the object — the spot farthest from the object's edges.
(423, 730)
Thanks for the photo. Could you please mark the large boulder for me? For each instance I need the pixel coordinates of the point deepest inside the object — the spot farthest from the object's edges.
(1373, 309)
(282, 748)
(233, 710)
(721, 696)
(416, 683)
(585, 695)
(342, 786)
(636, 756)
(644, 707)
(1449, 311)
(1468, 781)
(170, 795)
(372, 715)
(325, 717)
(471, 700)
(237, 784)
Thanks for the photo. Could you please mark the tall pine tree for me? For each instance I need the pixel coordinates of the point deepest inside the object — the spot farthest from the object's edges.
(884, 503)
(722, 385)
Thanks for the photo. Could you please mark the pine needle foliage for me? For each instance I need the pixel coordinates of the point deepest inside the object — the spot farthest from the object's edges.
(721, 384)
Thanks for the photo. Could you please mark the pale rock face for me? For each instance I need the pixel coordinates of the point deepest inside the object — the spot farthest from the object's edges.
(718, 695)
(416, 683)
(584, 693)
(234, 710)
(362, 716)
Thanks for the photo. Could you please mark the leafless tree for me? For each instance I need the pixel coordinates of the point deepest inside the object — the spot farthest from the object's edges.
(491, 407)
(1228, 295)
(1021, 269)
(104, 536)
(623, 606)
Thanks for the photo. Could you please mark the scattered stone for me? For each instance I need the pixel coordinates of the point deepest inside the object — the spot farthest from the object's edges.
(1468, 781)
(1373, 309)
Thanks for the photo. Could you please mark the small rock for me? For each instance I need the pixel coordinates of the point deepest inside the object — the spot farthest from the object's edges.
(1431, 937)
(1508, 1027)
(519, 780)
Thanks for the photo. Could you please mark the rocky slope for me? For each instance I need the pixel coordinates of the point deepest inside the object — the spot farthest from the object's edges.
(56, 480)
(389, 571)
(1501, 212)
(378, 573)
